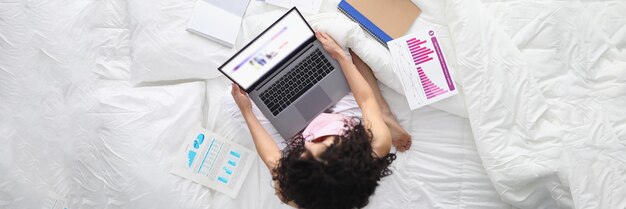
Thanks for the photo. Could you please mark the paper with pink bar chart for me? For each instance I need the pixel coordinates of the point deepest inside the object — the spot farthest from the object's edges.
(420, 63)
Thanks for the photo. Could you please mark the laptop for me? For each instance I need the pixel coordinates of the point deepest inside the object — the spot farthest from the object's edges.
(288, 74)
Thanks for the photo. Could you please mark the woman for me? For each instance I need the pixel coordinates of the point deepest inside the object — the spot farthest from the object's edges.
(337, 161)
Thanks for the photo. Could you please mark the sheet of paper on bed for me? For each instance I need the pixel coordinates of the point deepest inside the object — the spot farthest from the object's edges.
(308, 6)
(420, 64)
(209, 160)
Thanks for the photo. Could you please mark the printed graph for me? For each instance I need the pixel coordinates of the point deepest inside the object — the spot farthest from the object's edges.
(191, 155)
(422, 54)
(430, 88)
(227, 169)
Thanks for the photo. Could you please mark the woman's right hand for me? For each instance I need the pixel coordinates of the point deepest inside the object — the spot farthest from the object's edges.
(331, 46)
(242, 99)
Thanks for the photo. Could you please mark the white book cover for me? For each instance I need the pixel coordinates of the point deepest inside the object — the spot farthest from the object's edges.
(421, 65)
(218, 20)
(209, 160)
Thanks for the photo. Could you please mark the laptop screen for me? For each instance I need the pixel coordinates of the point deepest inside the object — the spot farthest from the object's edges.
(264, 53)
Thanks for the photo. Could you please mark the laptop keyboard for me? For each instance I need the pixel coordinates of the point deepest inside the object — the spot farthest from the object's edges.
(296, 82)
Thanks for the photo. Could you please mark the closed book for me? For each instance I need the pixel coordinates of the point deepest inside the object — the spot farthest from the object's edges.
(384, 20)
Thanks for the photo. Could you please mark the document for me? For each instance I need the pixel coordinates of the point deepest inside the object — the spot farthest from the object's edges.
(420, 64)
(209, 160)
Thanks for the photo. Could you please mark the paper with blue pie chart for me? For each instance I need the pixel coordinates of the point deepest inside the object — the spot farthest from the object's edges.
(213, 161)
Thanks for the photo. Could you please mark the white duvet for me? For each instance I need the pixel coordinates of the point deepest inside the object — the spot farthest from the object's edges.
(546, 119)
(544, 86)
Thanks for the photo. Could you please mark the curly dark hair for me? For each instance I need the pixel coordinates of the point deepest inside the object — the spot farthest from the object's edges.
(344, 177)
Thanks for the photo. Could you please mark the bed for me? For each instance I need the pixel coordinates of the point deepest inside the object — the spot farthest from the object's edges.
(95, 101)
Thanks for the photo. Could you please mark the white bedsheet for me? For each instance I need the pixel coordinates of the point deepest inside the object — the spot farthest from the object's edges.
(73, 129)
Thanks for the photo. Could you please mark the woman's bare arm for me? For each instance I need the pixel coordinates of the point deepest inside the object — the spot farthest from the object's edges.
(364, 95)
(264, 143)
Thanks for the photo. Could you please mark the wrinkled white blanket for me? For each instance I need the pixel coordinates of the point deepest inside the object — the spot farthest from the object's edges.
(547, 124)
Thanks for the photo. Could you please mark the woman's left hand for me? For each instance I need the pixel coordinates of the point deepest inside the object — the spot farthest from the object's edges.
(241, 98)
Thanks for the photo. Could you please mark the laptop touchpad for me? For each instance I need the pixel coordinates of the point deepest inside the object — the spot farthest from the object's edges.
(312, 103)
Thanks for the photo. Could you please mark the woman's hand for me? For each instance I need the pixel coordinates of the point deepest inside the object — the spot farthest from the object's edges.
(242, 99)
(331, 46)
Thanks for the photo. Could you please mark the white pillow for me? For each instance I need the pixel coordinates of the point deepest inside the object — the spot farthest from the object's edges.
(162, 49)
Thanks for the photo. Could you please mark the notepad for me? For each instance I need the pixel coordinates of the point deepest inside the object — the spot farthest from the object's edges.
(385, 20)
(420, 63)
(218, 20)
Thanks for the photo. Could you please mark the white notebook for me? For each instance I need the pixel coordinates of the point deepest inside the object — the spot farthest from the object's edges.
(218, 20)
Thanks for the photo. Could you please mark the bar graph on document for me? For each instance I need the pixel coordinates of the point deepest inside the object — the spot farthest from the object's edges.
(231, 164)
(422, 68)
(421, 54)
(210, 157)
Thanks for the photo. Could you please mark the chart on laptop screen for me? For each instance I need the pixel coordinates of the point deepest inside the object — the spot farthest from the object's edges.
(268, 50)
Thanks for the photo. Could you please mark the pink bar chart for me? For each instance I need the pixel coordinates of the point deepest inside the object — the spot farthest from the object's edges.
(422, 54)
(430, 88)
